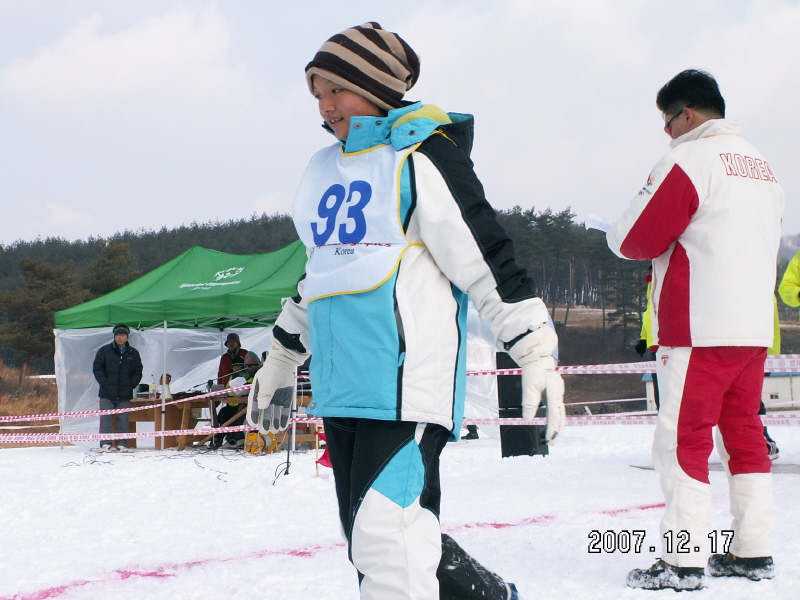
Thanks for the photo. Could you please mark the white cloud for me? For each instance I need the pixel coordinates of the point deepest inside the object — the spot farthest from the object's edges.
(163, 119)
(558, 95)
(278, 201)
(60, 218)
(564, 92)
(757, 63)
(177, 62)
(757, 59)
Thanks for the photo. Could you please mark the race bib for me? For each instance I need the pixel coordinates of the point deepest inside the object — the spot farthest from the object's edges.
(347, 212)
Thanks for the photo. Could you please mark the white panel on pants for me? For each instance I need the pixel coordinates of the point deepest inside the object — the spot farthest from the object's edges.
(688, 501)
(396, 549)
(751, 507)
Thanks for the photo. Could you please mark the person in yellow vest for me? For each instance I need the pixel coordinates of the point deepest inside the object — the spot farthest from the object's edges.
(772, 445)
(647, 346)
(789, 288)
(235, 439)
(789, 291)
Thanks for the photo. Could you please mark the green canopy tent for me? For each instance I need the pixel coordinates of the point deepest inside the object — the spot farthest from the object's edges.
(199, 288)
(193, 298)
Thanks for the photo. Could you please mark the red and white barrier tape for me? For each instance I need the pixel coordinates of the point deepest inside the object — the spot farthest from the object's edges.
(611, 369)
(607, 401)
(573, 421)
(648, 418)
(116, 411)
(792, 403)
(618, 400)
(15, 438)
(783, 363)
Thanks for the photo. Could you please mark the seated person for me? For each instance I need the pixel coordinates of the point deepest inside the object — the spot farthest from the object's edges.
(231, 363)
(235, 439)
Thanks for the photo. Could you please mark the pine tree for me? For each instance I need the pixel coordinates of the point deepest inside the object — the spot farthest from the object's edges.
(629, 295)
(28, 323)
(115, 267)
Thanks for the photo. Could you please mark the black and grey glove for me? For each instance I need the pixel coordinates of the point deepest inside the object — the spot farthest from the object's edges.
(269, 404)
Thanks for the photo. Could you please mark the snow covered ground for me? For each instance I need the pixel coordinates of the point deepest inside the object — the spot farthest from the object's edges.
(187, 525)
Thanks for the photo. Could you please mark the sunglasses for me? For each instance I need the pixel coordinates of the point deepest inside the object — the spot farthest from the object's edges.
(668, 124)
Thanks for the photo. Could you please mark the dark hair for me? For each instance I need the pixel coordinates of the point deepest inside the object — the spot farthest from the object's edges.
(694, 89)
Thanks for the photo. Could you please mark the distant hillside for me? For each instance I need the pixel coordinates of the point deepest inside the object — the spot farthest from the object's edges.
(266, 233)
(571, 266)
(152, 249)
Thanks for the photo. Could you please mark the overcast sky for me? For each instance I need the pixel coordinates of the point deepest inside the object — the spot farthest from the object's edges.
(149, 113)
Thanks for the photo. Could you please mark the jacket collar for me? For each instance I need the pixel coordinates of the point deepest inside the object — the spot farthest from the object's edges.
(401, 127)
(708, 129)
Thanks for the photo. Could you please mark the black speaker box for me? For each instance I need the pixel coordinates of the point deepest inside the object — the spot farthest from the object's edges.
(517, 440)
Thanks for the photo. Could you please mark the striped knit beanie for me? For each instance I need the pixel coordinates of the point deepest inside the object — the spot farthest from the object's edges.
(369, 61)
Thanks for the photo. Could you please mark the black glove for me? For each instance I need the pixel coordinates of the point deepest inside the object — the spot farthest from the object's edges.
(641, 347)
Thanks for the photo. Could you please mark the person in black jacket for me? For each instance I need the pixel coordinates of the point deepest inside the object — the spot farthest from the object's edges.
(118, 369)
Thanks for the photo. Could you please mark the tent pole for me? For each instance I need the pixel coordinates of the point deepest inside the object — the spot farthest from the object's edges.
(292, 436)
(163, 388)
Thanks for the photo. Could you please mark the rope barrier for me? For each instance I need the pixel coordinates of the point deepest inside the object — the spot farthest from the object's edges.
(783, 363)
(608, 401)
(792, 420)
(116, 411)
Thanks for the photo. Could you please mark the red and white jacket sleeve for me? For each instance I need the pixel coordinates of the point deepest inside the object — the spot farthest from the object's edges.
(657, 216)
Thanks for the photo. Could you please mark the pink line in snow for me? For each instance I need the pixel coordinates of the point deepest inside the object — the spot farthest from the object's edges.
(170, 570)
(549, 518)
(528, 521)
(173, 570)
(622, 511)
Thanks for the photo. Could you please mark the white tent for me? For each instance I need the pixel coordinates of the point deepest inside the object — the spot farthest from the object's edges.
(180, 313)
(193, 359)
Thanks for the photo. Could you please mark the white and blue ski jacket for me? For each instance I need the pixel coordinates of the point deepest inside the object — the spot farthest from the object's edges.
(399, 236)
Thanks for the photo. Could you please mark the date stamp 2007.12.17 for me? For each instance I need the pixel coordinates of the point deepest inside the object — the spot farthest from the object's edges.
(625, 541)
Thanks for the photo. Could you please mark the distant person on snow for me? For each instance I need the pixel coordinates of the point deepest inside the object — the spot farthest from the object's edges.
(398, 233)
(789, 289)
(117, 368)
(775, 349)
(709, 218)
(645, 346)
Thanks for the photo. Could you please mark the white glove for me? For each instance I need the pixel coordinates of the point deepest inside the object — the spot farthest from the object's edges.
(534, 356)
(272, 392)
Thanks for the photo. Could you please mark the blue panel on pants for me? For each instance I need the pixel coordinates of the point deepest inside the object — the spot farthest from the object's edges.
(403, 478)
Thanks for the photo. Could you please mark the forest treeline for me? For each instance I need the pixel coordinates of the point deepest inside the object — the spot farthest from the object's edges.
(151, 248)
(571, 266)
